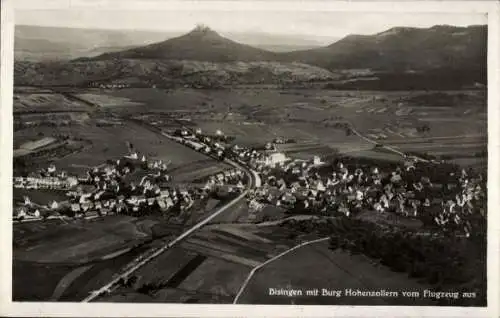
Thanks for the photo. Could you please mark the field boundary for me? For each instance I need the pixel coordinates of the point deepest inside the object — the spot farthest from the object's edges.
(255, 269)
(392, 149)
(96, 293)
(252, 183)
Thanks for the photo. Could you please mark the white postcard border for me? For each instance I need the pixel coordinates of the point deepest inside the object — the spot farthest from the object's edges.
(32, 309)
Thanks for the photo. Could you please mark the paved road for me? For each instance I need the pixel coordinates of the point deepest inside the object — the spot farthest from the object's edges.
(255, 269)
(254, 181)
(109, 286)
(433, 138)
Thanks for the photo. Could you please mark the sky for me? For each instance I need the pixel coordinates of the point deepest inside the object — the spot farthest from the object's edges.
(322, 26)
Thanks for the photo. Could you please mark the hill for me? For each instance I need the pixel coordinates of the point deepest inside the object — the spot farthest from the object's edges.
(403, 49)
(202, 44)
(397, 49)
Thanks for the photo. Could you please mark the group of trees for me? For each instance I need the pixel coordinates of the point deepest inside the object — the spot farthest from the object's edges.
(444, 262)
(438, 79)
(441, 261)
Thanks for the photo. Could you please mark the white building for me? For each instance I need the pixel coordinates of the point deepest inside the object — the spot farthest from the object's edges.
(273, 159)
(51, 169)
(317, 161)
(54, 205)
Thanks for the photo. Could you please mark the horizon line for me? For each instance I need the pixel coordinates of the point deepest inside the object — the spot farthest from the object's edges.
(241, 32)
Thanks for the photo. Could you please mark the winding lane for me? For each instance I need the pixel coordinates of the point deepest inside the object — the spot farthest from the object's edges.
(254, 182)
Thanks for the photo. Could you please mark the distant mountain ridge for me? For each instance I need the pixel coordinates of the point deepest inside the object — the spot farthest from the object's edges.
(415, 55)
(403, 49)
(397, 49)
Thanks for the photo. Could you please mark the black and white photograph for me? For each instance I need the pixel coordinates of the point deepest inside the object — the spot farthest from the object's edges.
(209, 155)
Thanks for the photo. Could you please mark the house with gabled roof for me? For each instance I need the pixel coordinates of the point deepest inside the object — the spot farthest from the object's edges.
(75, 207)
(87, 206)
(98, 205)
(121, 207)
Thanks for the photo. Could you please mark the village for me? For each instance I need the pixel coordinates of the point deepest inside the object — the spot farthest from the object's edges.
(454, 203)
(111, 189)
(440, 195)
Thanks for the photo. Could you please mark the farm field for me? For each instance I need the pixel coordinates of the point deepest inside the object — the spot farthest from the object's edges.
(477, 163)
(214, 100)
(29, 134)
(80, 256)
(137, 99)
(106, 141)
(309, 139)
(466, 150)
(64, 281)
(76, 256)
(78, 241)
(197, 170)
(106, 101)
(162, 269)
(309, 116)
(44, 102)
(209, 266)
(41, 282)
(222, 284)
(333, 270)
(256, 116)
(374, 154)
(111, 143)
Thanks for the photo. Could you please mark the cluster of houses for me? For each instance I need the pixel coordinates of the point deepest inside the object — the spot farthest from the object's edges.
(464, 205)
(452, 205)
(50, 183)
(115, 191)
(149, 195)
(282, 140)
(49, 178)
(218, 148)
(28, 210)
(199, 142)
(277, 191)
(111, 189)
(233, 178)
(135, 204)
(109, 85)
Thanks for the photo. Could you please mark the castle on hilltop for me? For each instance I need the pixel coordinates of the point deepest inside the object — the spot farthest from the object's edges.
(201, 28)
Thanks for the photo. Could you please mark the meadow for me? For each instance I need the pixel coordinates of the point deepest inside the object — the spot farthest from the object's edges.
(44, 101)
(441, 124)
(67, 259)
(110, 142)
